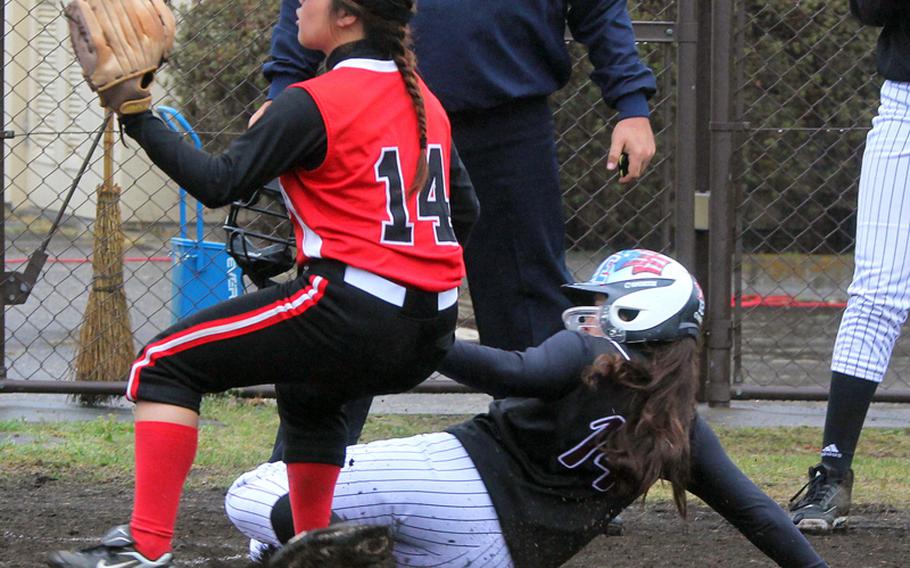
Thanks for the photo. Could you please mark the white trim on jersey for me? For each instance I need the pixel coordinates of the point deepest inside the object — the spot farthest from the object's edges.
(425, 488)
(378, 65)
(879, 295)
(311, 242)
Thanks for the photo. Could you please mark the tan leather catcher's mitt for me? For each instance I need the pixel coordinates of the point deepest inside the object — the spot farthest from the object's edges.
(120, 44)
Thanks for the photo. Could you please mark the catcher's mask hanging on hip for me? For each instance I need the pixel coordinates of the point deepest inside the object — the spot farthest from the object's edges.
(260, 236)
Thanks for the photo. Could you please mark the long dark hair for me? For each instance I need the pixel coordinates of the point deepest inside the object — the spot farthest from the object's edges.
(385, 25)
(654, 441)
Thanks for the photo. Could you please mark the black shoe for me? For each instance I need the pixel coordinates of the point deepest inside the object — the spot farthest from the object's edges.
(826, 502)
(117, 550)
(344, 545)
(616, 526)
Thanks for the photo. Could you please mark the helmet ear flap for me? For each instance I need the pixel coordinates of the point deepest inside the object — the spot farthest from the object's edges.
(260, 236)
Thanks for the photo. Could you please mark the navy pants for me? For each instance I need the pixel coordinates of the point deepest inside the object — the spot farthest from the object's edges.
(516, 255)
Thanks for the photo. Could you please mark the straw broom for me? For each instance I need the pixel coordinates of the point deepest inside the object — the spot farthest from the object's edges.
(106, 339)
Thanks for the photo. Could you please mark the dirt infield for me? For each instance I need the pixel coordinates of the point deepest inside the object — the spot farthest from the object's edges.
(39, 514)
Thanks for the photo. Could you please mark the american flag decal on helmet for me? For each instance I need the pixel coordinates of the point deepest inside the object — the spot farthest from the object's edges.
(641, 261)
(649, 262)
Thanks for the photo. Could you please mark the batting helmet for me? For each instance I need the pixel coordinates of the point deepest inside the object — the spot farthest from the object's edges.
(648, 297)
(259, 234)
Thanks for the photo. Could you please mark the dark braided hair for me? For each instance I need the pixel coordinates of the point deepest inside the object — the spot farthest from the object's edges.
(385, 25)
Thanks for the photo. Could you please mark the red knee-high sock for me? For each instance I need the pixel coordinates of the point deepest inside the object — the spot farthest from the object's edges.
(164, 455)
(312, 486)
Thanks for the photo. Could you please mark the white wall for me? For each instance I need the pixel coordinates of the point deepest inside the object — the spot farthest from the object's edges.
(46, 96)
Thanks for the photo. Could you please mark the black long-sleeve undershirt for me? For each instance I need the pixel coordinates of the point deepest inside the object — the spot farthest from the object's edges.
(291, 134)
(547, 371)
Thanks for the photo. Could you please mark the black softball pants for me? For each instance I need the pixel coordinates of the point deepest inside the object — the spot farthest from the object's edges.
(321, 340)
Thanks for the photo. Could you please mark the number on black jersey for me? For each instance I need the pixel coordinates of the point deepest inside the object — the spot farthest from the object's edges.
(432, 201)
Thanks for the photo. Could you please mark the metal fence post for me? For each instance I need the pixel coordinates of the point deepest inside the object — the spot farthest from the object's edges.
(3, 136)
(686, 142)
(702, 160)
(690, 239)
(719, 329)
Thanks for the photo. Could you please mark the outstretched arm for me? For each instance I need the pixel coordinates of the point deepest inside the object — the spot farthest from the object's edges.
(719, 483)
(291, 135)
(547, 371)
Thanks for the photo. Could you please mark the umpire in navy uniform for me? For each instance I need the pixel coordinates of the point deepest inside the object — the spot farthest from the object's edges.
(493, 63)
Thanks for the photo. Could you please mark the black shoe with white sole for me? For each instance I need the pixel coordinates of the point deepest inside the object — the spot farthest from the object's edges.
(822, 504)
(116, 550)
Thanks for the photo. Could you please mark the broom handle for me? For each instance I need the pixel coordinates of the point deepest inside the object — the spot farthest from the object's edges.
(108, 155)
(72, 190)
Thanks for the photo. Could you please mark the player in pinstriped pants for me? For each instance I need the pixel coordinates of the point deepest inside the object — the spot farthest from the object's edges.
(426, 487)
(527, 484)
(879, 295)
(880, 291)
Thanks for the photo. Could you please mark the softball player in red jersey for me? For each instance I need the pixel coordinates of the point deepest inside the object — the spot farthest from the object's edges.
(379, 201)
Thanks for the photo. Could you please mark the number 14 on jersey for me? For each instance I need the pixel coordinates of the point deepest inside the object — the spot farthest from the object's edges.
(432, 201)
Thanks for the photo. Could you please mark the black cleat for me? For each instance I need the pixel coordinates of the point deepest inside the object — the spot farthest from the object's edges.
(344, 545)
(117, 550)
(616, 526)
(825, 501)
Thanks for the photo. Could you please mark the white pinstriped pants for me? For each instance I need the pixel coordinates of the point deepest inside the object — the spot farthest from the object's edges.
(425, 488)
(879, 296)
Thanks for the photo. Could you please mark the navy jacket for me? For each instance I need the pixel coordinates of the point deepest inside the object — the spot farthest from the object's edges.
(477, 54)
(892, 56)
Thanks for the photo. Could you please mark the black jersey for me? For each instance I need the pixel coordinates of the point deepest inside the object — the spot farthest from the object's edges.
(538, 459)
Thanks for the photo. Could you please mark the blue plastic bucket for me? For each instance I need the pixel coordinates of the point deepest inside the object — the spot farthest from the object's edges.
(202, 273)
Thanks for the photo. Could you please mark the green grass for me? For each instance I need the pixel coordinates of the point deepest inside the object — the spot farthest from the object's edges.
(237, 435)
(777, 459)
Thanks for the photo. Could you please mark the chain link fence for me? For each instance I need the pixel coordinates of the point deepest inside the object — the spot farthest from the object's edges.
(214, 80)
(806, 89)
(601, 215)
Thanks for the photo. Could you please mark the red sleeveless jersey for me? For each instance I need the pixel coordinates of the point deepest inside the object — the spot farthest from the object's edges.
(356, 207)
